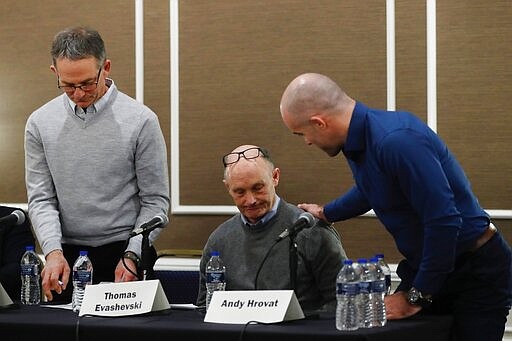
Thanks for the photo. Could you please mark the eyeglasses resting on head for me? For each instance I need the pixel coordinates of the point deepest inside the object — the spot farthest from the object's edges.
(249, 153)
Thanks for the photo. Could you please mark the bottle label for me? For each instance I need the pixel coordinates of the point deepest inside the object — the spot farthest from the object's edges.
(29, 270)
(82, 276)
(347, 288)
(215, 277)
(365, 287)
(379, 286)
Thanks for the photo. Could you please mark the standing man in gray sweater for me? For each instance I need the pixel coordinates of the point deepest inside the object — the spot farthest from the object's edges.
(244, 240)
(96, 167)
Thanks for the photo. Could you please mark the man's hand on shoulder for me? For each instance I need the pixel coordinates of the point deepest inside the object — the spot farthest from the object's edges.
(314, 209)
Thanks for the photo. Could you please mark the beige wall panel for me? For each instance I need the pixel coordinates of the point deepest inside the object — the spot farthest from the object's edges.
(156, 62)
(474, 85)
(236, 58)
(26, 31)
(411, 62)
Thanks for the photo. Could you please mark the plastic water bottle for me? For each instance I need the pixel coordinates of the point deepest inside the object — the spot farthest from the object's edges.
(386, 270)
(377, 292)
(215, 276)
(347, 290)
(30, 277)
(358, 269)
(364, 301)
(82, 276)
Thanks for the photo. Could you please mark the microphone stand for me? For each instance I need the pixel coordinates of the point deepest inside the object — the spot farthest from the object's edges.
(293, 259)
(144, 255)
(261, 265)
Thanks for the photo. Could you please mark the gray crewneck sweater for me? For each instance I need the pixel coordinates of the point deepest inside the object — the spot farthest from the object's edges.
(242, 248)
(90, 182)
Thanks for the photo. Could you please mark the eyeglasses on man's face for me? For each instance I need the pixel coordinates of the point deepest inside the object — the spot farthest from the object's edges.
(249, 153)
(84, 87)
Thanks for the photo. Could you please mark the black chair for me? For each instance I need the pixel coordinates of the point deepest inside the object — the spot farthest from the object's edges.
(180, 285)
(13, 240)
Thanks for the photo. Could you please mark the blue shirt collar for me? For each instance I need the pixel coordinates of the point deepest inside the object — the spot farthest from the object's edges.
(356, 137)
(269, 215)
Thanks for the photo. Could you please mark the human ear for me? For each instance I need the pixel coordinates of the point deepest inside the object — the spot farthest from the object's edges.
(318, 121)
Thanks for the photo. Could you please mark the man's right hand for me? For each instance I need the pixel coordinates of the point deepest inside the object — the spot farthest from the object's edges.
(56, 269)
(314, 209)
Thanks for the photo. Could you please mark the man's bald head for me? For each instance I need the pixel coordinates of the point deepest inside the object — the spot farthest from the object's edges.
(312, 93)
(314, 107)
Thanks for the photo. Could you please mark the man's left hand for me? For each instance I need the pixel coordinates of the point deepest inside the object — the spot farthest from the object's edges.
(397, 306)
(122, 274)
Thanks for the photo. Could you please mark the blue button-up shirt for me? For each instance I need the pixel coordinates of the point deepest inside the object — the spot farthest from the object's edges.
(407, 175)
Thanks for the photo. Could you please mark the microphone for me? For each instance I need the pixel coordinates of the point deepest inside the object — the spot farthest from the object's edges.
(305, 220)
(15, 218)
(158, 221)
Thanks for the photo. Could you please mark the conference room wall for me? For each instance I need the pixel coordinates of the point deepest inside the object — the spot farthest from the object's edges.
(236, 57)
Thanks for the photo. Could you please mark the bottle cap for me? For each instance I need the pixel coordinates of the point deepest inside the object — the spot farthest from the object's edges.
(214, 253)
(348, 261)
(83, 253)
(362, 261)
(379, 255)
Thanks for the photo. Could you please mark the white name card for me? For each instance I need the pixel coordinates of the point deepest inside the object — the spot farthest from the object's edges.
(240, 307)
(123, 299)
(5, 300)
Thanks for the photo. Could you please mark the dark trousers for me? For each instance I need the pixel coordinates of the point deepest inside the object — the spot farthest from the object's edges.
(104, 261)
(479, 292)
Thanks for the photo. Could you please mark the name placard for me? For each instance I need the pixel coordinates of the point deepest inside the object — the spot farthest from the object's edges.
(240, 307)
(5, 300)
(123, 299)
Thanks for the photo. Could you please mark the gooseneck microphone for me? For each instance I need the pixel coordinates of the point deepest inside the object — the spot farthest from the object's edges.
(305, 220)
(15, 218)
(158, 221)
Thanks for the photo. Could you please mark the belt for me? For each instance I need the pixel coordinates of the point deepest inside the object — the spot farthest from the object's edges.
(484, 237)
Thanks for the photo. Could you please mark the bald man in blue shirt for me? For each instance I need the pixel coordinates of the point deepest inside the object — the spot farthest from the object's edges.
(456, 261)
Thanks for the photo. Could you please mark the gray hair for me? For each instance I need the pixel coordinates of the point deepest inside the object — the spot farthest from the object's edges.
(77, 43)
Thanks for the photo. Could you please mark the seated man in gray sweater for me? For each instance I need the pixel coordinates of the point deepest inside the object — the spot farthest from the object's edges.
(244, 240)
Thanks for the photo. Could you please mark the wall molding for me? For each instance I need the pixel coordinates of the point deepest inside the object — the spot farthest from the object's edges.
(178, 209)
(139, 50)
(431, 65)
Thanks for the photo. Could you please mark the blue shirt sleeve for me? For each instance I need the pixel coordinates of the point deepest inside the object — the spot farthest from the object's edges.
(415, 161)
(349, 205)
